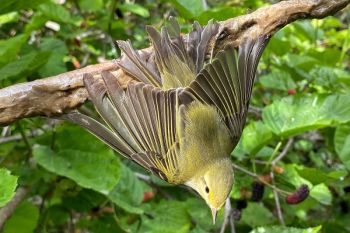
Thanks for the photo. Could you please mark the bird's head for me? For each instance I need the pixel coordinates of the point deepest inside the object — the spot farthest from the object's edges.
(214, 184)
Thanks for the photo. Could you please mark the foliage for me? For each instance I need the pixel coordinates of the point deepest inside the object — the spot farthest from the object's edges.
(77, 184)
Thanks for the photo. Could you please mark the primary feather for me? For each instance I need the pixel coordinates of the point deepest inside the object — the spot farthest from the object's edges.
(183, 117)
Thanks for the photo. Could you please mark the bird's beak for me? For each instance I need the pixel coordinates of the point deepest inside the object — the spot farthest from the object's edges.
(214, 214)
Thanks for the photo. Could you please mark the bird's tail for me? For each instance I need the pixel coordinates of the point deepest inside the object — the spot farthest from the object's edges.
(176, 59)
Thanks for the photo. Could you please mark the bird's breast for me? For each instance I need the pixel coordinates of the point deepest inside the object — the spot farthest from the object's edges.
(206, 139)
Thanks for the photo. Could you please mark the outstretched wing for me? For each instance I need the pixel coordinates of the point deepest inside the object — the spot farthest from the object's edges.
(176, 59)
(143, 122)
(227, 83)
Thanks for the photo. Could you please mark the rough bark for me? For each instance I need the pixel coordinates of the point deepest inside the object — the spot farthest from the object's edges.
(58, 94)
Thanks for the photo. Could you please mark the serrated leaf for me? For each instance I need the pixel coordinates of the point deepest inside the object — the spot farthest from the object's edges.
(167, 217)
(91, 5)
(55, 64)
(297, 114)
(24, 66)
(303, 62)
(257, 215)
(342, 144)
(56, 12)
(219, 13)
(255, 136)
(304, 29)
(9, 48)
(322, 194)
(292, 176)
(8, 184)
(200, 213)
(128, 193)
(24, 219)
(97, 171)
(16, 5)
(135, 8)
(313, 175)
(278, 80)
(279, 45)
(189, 8)
(283, 229)
(8, 18)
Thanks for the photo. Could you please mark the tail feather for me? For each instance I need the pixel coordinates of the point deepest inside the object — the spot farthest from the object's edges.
(176, 59)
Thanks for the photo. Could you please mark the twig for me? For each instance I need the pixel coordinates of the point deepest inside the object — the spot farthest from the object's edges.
(143, 177)
(18, 137)
(24, 137)
(272, 175)
(255, 111)
(284, 151)
(277, 200)
(232, 223)
(9, 209)
(228, 218)
(261, 180)
(5, 131)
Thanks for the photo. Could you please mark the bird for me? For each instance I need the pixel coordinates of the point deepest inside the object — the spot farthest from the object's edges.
(185, 110)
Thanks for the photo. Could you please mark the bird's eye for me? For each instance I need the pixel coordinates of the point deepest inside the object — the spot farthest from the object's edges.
(206, 189)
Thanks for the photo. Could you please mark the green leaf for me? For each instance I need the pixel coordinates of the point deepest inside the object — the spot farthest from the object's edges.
(200, 213)
(24, 219)
(56, 12)
(91, 5)
(8, 18)
(128, 194)
(16, 5)
(9, 48)
(55, 64)
(24, 66)
(326, 57)
(167, 217)
(97, 171)
(303, 62)
(297, 114)
(342, 144)
(134, 8)
(283, 229)
(322, 194)
(279, 80)
(189, 8)
(36, 22)
(255, 136)
(292, 176)
(256, 215)
(279, 45)
(307, 31)
(219, 14)
(8, 184)
(314, 175)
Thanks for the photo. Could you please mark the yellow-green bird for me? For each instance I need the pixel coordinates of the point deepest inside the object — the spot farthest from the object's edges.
(185, 113)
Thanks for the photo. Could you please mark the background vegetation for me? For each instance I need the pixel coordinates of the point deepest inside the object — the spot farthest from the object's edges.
(301, 116)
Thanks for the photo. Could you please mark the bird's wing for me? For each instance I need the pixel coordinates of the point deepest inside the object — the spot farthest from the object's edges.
(176, 59)
(143, 122)
(227, 82)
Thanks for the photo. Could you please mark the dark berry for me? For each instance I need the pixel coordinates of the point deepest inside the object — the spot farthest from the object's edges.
(257, 191)
(347, 189)
(241, 204)
(298, 196)
(236, 214)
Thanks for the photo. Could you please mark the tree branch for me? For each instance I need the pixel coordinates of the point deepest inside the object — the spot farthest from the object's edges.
(58, 94)
(9, 209)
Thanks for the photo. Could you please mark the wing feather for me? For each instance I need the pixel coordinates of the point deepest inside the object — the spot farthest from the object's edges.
(141, 122)
(227, 82)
